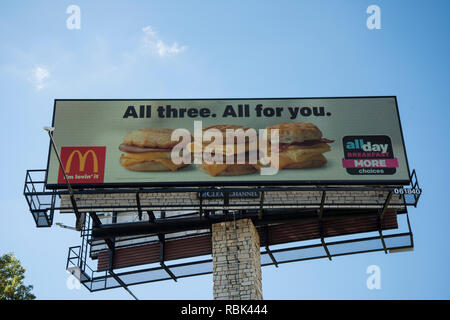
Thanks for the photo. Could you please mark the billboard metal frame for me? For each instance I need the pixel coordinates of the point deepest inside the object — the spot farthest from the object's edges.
(95, 280)
(233, 183)
(43, 203)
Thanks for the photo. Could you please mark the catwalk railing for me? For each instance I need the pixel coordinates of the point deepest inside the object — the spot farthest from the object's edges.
(95, 280)
(43, 202)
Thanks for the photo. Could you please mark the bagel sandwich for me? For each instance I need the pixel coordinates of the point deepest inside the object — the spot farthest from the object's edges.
(237, 153)
(300, 146)
(149, 149)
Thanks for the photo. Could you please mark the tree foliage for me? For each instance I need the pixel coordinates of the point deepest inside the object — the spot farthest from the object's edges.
(12, 275)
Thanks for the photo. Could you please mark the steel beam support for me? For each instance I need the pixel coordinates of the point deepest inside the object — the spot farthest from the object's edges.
(380, 219)
(322, 240)
(151, 216)
(97, 223)
(162, 242)
(122, 284)
(261, 204)
(266, 241)
(196, 223)
(138, 202)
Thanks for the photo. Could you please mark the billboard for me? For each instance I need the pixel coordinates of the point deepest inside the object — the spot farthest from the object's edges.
(132, 143)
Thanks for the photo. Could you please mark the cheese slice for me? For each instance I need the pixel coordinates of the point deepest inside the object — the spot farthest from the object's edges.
(161, 157)
(215, 168)
(299, 154)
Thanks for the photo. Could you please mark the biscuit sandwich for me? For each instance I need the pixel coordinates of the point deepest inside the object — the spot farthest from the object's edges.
(149, 149)
(301, 145)
(233, 158)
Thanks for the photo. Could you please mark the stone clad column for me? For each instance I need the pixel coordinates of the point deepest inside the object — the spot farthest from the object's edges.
(236, 261)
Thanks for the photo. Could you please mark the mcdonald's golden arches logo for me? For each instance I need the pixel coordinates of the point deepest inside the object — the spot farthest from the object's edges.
(82, 158)
(83, 165)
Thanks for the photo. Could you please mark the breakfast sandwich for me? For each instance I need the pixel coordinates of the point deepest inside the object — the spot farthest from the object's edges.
(300, 145)
(149, 149)
(234, 158)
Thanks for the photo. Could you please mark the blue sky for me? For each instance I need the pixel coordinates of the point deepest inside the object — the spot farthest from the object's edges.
(230, 49)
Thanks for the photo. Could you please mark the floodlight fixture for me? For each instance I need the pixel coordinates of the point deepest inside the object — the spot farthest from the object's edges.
(49, 129)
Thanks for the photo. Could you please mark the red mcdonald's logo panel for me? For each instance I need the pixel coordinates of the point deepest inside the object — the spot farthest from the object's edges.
(83, 164)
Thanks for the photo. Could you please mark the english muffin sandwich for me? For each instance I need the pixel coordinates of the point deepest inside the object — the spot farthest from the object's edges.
(300, 145)
(235, 157)
(149, 150)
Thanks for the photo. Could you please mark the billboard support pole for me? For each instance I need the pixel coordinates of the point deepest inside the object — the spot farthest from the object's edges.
(236, 260)
(79, 217)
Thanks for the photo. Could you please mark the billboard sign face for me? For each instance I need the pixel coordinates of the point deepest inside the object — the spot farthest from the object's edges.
(285, 141)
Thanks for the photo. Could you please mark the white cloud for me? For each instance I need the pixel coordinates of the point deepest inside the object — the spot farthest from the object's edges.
(148, 30)
(151, 42)
(38, 77)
